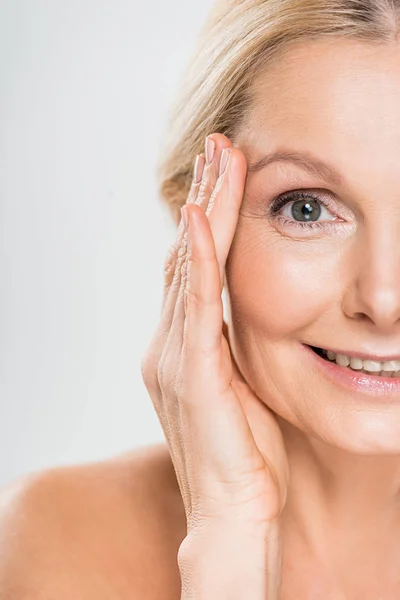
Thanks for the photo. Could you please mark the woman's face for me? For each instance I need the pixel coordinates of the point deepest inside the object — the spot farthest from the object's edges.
(322, 272)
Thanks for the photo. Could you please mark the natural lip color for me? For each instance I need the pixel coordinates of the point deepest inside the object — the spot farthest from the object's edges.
(370, 385)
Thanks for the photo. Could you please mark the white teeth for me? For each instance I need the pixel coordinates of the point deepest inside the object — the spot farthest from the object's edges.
(392, 365)
(356, 364)
(372, 365)
(342, 360)
(386, 369)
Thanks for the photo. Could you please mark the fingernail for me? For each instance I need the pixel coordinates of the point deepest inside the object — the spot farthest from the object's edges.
(210, 150)
(198, 169)
(224, 161)
(185, 218)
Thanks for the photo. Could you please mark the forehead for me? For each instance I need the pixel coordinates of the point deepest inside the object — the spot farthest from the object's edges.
(340, 98)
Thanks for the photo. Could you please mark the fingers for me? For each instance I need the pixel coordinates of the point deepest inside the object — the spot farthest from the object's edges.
(205, 175)
(200, 195)
(172, 257)
(202, 294)
(214, 146)
(208, 408)
(225, 202)
(170, 330)
(193, 366)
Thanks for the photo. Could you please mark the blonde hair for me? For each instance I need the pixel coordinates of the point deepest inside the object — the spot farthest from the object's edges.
(238, 38)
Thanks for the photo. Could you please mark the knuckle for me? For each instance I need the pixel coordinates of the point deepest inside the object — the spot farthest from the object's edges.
(145, 365)
(161, 374)
(182, 250)
(170, 259)
(214, 194)
(165, 375)
(184, 273)
(199, 300)
(205, 191)
(180, 261)
(149, 370)
(193, 296)
(176, 253)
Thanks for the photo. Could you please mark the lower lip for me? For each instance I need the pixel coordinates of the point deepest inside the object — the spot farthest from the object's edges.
(371, 385)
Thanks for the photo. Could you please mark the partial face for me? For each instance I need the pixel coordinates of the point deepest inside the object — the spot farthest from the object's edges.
(322, 270)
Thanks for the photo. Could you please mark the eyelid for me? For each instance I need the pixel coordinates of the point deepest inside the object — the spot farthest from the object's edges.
(299, 194)
(287, 198)
(326, 216)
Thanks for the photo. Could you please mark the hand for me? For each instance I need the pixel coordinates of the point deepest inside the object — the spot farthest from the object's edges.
(225, 444)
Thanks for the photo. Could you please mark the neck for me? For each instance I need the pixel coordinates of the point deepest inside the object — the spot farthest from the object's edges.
(336, 497)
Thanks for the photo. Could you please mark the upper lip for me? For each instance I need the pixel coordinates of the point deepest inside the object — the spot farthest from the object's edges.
(363, 355)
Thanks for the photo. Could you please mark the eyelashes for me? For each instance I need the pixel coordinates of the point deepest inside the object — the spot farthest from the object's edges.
(276, 206)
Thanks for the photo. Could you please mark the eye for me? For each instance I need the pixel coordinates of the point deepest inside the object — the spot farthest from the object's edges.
(302, 209)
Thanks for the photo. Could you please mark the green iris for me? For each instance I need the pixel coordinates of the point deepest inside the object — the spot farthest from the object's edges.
(306, 210)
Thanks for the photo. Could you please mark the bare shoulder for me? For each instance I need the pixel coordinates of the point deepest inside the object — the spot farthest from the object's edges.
(109, 529)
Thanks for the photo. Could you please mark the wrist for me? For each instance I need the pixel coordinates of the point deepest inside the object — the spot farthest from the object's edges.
(231, 560)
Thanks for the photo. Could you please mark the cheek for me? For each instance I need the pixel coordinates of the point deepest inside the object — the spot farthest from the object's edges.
(278, 286)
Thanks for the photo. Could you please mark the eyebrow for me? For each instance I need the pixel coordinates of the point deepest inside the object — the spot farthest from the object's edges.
(313, 165)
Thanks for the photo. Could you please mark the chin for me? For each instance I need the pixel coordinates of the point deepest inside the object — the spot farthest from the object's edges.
(357, 430)
(366, 433)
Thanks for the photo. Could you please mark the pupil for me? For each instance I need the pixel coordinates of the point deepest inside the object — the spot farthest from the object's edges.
(306, 210)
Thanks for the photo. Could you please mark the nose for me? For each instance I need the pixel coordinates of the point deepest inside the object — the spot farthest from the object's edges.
(373, 295)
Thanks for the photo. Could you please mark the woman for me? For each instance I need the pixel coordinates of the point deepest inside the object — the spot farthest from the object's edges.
(281, 473)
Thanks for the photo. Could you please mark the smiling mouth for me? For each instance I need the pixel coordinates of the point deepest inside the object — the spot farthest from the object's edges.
(369, 367)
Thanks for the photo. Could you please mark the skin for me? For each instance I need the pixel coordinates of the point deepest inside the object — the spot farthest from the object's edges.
(336, 287)
(333, 288)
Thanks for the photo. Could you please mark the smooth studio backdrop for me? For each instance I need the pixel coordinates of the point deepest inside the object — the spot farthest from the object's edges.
(85, 89)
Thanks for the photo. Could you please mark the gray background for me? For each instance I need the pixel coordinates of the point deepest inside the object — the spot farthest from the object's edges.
(85, 88)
